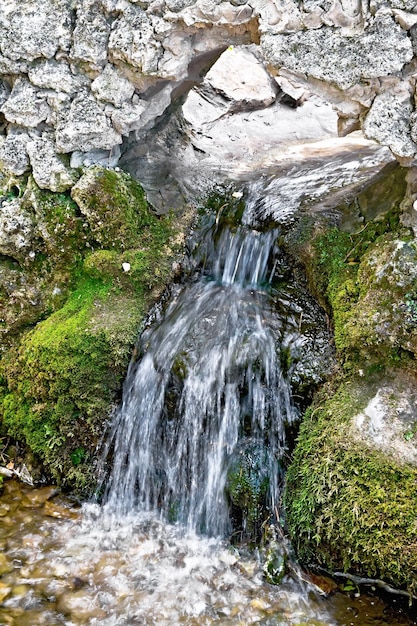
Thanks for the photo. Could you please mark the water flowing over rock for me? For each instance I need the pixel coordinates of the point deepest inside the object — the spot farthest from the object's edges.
(300, 105)
(61, 564)
(210, 388)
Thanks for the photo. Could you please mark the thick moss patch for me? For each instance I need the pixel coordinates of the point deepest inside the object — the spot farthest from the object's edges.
(65, 374)
(367, 290)
(365, 280)
(116, 210)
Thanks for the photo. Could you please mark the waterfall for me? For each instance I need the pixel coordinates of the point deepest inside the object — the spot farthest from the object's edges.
(208, 386)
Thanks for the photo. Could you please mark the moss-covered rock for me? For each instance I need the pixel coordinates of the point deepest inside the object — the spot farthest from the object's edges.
(116, 210)
(40, 265)
(351, 491)
(66, 372)
(276, 556)
(97, 267)
(352, 486)
(366, 282)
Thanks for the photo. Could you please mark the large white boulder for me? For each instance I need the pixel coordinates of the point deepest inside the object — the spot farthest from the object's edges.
(33, 29)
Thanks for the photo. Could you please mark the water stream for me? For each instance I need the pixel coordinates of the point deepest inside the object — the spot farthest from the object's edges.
(210, 377)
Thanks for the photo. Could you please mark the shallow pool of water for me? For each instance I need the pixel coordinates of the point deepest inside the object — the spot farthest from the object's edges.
(65, 564)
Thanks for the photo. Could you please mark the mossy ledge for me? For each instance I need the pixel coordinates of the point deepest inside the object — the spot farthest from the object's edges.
(351, 491)
(99, 259)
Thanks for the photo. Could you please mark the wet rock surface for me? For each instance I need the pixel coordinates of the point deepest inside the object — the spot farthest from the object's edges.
(168, 90)
(46, 255)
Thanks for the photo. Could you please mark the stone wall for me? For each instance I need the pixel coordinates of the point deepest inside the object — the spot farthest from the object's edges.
(76, 78)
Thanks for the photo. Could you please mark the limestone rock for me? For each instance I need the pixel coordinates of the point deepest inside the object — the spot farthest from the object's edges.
(283, 16)
(106, 158)
(178, 53)
(313, 5)
(85, 127)
(128, 117)
(112, 86)
(26, 105)
(350, 15)
(382, 49)
(242, 79)
(14, 158)
(386, 5)
(203, 12)
(34, 28)
(133, 41)
(59, 103)
(155, 106)
(4, 92)
(49, 171)
(178, 5)
(10, 66)
(16, 229)
(405, 20)
(57, 76)
(295, 91)
(388, 123)
(75, 63)
(91, 35)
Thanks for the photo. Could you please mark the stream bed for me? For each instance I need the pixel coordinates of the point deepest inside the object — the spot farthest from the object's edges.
(65, 564)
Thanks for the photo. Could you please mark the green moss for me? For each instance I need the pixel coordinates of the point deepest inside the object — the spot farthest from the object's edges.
(37, 283)
(345, 280)
(101, 258)
(117, 212)
(65, 374)
(138, 270)
(348, 506)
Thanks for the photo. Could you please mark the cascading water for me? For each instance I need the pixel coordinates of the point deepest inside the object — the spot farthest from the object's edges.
(210, 377)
